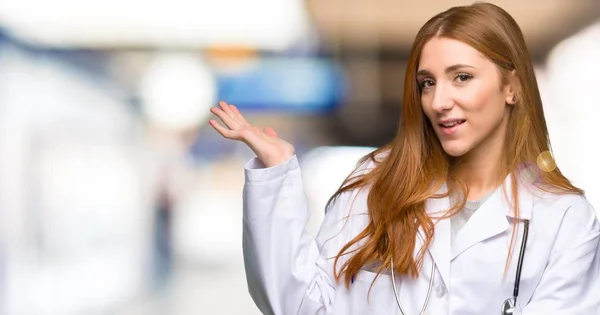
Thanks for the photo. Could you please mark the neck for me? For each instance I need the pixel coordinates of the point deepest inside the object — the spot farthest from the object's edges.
(481, 168)
(481, 176)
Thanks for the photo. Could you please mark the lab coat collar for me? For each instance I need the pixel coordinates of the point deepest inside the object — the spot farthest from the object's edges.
(440, 248)
(492, 218)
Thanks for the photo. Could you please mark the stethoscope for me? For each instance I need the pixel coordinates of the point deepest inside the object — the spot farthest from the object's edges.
(509, 305)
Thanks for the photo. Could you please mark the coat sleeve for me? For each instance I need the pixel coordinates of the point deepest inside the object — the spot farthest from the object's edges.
(288, 271)
(571, 282)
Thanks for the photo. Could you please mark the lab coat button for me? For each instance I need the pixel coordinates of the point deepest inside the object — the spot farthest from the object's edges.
(440, 291)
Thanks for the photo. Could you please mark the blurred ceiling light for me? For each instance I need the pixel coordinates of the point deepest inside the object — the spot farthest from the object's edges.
(177, 91)
(264, 24)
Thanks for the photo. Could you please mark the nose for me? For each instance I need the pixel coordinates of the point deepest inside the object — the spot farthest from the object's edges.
(442, 99)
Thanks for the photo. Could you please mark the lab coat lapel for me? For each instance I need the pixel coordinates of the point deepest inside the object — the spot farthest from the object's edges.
(440, 249)
(492, 218)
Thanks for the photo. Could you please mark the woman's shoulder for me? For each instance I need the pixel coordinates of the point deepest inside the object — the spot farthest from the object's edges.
(573, 208)
(370, 161)
(560, 200)
(353, 198)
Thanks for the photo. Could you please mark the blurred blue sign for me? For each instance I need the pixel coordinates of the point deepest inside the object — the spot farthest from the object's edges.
(288, 84)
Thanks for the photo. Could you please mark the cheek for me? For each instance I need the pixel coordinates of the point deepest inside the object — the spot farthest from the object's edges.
(426, 106)
(473, 100)
(482, 103)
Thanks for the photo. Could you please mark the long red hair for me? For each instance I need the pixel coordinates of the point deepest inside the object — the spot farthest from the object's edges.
(411, 169)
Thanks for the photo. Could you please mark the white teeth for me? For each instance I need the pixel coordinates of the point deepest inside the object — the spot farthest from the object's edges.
(448, 125)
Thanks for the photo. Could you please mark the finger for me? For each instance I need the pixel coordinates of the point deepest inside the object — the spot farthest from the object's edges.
(225, 118)
(221, 130)
(270, 132)
(236, 112)
(229, 111)
(225, 107)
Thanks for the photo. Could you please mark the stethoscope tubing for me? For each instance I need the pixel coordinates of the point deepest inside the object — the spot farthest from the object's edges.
(521, 258)
(429, 289)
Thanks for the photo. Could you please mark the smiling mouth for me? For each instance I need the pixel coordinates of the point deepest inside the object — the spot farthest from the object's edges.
(452, 124)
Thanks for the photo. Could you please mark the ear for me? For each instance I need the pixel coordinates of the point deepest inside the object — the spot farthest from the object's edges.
(512, 88)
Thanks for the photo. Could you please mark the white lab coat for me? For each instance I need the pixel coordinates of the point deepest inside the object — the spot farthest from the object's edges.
(289, 272)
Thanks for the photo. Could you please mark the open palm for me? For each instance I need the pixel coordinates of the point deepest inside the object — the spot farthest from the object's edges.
(268, 147)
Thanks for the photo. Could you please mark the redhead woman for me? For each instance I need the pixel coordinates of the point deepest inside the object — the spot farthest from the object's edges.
(463, 212)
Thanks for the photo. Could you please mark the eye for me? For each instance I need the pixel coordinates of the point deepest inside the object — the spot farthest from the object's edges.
(463, 77)
(426, 83)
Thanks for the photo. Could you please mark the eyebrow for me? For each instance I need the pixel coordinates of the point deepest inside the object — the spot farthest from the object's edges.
(424, 72)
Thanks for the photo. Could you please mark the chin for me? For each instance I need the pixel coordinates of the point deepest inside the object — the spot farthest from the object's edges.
(455, 149)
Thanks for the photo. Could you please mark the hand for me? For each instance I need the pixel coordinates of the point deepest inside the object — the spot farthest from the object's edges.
(268, 147)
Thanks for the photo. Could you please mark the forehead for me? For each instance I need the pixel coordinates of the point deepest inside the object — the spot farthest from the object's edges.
(441, 52)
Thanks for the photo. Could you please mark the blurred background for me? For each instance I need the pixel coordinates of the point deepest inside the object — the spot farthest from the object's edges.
(116, 197)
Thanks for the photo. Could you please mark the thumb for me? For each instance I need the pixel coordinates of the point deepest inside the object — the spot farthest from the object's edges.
(270, 132)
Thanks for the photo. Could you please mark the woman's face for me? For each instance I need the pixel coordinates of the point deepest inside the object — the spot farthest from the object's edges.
(463, 96)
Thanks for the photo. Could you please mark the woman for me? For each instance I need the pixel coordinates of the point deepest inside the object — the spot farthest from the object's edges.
(436, 221)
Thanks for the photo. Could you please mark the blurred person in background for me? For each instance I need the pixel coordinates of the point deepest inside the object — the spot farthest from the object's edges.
(463, 212)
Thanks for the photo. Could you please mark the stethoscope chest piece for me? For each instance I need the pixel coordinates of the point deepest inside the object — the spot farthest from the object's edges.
(509, 307)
